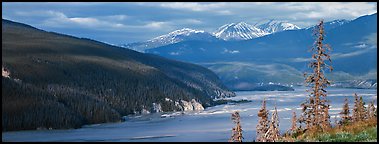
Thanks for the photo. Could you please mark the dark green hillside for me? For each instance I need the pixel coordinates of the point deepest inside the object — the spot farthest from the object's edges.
(61, 81)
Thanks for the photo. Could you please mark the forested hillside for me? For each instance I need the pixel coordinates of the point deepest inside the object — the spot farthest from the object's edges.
(52, 80)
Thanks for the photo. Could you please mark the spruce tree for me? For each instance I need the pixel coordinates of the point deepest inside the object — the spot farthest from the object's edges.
(316, 108)
(237, 130)
(345, 117)
(372, 110)
(356, 115)
(272, 134)
(363, 109)
(263, 123)
(359, 111)
(293, 123)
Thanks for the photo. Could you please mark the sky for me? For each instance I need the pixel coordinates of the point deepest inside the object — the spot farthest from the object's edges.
(127, 22)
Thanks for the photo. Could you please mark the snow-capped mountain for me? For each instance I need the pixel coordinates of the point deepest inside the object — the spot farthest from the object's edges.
(284, 55)
(171, 38)
(228, 32)
(238, 31)
(273, 26)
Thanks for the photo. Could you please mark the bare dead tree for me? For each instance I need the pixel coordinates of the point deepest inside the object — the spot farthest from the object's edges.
(293, 123)
(272, 134)
(263, 123)
(237, 130)
(316, 108)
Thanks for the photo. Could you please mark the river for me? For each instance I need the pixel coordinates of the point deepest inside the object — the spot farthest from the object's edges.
(212, 125)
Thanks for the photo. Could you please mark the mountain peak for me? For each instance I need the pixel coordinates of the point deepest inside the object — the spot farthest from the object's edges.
(179, 35)
(176, 36)
(238, 31)
(273, 26)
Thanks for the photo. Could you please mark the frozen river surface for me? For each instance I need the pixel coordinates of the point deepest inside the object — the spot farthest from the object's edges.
(212, 124)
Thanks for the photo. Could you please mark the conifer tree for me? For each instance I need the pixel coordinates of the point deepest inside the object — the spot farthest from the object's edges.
(359, 111)
(293, 123)
(345, 117)
(372, 110)
(272, 134)
(263, 123)
(305, 116)
(356, 115)
(363, 109)
(316, 108)
(237, 130)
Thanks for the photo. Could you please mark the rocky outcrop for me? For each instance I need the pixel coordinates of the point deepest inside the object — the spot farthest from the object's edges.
(196, 105)
(192, 105)
(157, 107)
(144, 111)
(182, 105)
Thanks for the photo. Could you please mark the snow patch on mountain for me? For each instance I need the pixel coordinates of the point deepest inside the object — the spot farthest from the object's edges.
(273, 26)
(238, 31)
(171, 38)
(333, 24)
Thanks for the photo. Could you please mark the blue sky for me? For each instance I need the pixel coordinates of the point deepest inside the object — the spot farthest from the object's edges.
(126, 22)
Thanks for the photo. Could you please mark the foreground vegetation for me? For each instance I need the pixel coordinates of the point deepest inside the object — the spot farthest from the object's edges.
(363, 131)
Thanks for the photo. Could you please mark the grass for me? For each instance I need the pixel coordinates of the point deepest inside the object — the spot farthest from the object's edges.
(364, 131)
(364, 136)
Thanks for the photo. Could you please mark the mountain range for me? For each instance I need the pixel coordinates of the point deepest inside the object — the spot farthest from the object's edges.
(51, 80)
(280, 55)
(227, 32)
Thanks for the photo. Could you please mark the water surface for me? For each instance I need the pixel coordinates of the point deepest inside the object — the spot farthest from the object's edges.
(212, 124)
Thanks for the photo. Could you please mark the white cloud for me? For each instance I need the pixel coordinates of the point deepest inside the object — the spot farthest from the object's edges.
(224, 12)
(300, 59)
(194, 6)
(162, 17)
(217, 7)
(116, 17)
(156, 25)
(88, 21)
(330, 10)
(303, 13)
(59, 19)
